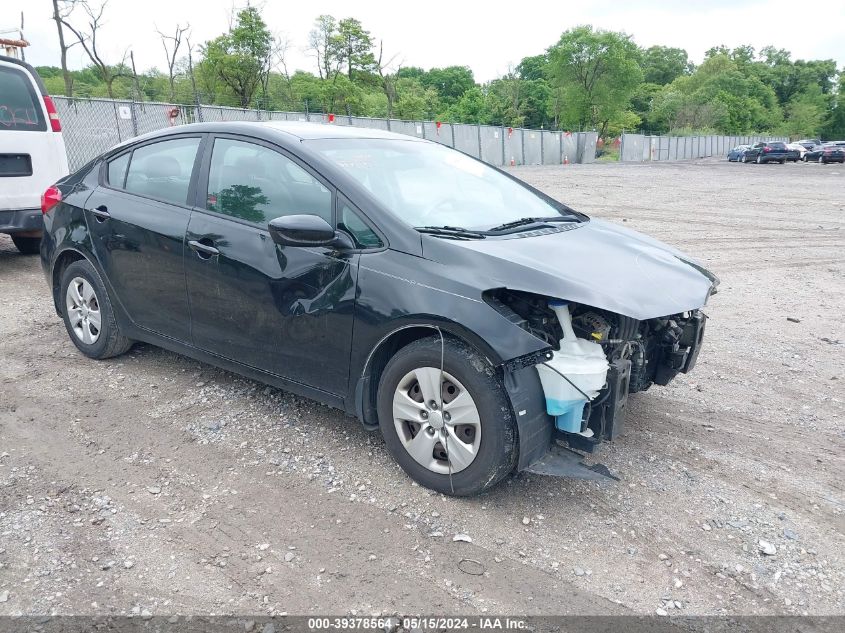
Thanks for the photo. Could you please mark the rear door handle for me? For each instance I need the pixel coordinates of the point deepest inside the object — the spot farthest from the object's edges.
(202, 249)
(101, 213)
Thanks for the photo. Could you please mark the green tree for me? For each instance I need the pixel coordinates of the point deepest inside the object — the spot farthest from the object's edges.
(241, 58)
(355, 47)
(662, 65)
(596, 73)
(472, 107)
(532, 68)
(450, 82)
(325, 44)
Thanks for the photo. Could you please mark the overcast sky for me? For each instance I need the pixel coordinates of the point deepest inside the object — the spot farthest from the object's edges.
(486, 36)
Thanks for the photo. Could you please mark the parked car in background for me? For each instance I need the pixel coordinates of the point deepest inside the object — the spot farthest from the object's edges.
(737, 152)
(423, 291)
(827, 153)
(32, 151)
(766, 152)
(809, 143)
(796, 152)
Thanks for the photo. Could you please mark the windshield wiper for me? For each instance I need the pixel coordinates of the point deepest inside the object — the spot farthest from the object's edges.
(454, 231)
(527, 221)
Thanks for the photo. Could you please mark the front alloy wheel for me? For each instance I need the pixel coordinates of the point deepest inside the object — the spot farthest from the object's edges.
(453, 430)
(440, 428)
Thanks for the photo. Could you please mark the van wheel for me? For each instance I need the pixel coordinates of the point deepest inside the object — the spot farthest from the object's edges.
(472, 435)
(88, 314)
(27, 245)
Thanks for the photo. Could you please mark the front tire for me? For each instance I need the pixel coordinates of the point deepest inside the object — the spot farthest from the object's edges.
(474, 434)
(27, 245)
(87, 312)
(759, 159)
(821, 160)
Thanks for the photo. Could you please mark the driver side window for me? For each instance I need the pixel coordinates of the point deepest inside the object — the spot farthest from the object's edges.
(257, 184)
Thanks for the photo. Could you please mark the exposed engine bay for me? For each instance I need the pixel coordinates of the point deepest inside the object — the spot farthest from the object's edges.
(638, 354)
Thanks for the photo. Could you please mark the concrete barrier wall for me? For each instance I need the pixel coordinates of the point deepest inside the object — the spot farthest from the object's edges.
(641, 148)
(92, 126)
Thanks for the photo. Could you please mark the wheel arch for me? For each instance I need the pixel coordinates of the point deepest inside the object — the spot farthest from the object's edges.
(60, 264)
(367, 379)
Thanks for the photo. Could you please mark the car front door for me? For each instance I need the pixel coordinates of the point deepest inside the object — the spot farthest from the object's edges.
(284, 310)
(137, 219)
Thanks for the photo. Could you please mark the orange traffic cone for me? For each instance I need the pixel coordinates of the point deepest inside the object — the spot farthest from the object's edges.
(565, 159)
(513, 162)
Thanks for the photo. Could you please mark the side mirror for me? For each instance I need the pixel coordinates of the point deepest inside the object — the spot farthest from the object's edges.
(306, 230)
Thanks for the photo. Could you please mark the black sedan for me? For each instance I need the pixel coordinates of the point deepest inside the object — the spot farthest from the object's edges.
(827, 153)
(767, 152)
(472, 319)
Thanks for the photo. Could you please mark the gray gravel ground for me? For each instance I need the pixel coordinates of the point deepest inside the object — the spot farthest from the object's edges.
(154, 484)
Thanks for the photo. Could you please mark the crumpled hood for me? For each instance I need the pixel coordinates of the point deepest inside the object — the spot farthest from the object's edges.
(598, 264)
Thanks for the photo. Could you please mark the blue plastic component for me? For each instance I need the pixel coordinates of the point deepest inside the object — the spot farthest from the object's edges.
(567, 414)
(557, 303)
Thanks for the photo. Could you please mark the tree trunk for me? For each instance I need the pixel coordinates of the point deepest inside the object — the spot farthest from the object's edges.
(63, 49)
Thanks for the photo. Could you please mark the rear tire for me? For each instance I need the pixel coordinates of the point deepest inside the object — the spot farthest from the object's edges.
(27, 245)
(821, 160)
(87, 313)
(759, 159)
(487, 459)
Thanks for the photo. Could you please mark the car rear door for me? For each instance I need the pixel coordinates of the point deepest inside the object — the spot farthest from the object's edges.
(283, 310)
(137, 218)
(32, 154)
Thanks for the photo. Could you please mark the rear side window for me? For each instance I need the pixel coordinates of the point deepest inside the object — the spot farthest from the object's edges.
(117, 170)
(163, 170)
(257, 184)
(20, 104)
(777, 145)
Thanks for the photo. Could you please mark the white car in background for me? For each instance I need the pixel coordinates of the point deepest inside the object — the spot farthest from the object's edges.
(32, 152)
(796, 147)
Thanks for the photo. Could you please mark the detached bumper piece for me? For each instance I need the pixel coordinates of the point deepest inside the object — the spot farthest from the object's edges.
(562, 462)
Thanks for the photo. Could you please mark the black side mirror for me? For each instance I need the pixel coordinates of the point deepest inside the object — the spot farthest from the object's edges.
(307, 230)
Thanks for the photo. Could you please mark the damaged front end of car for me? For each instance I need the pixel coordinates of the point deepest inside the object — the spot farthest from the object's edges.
(594, 361)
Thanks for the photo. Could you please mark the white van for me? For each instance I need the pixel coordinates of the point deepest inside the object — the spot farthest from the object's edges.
(32, 151)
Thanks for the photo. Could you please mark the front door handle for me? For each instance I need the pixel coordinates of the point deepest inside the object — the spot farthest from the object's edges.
(203, 248)
(101, 213)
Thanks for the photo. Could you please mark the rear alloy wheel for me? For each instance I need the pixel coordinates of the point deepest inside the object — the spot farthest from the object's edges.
(88, 314)
(821, 160)
(27, 245)
(759, 159)
(451, 431)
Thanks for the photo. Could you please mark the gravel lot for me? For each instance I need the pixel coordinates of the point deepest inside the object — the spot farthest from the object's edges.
(152, 483)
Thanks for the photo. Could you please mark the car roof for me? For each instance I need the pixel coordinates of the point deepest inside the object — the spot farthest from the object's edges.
(289, 131)
(310, 131)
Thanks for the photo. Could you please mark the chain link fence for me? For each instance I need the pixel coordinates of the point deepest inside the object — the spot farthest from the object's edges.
(641, 147)
(92, 126)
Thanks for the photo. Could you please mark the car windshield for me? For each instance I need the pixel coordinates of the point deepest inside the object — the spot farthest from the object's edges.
(428, 185)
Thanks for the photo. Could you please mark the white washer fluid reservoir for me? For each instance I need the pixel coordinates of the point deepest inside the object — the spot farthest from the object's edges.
(580, 360)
